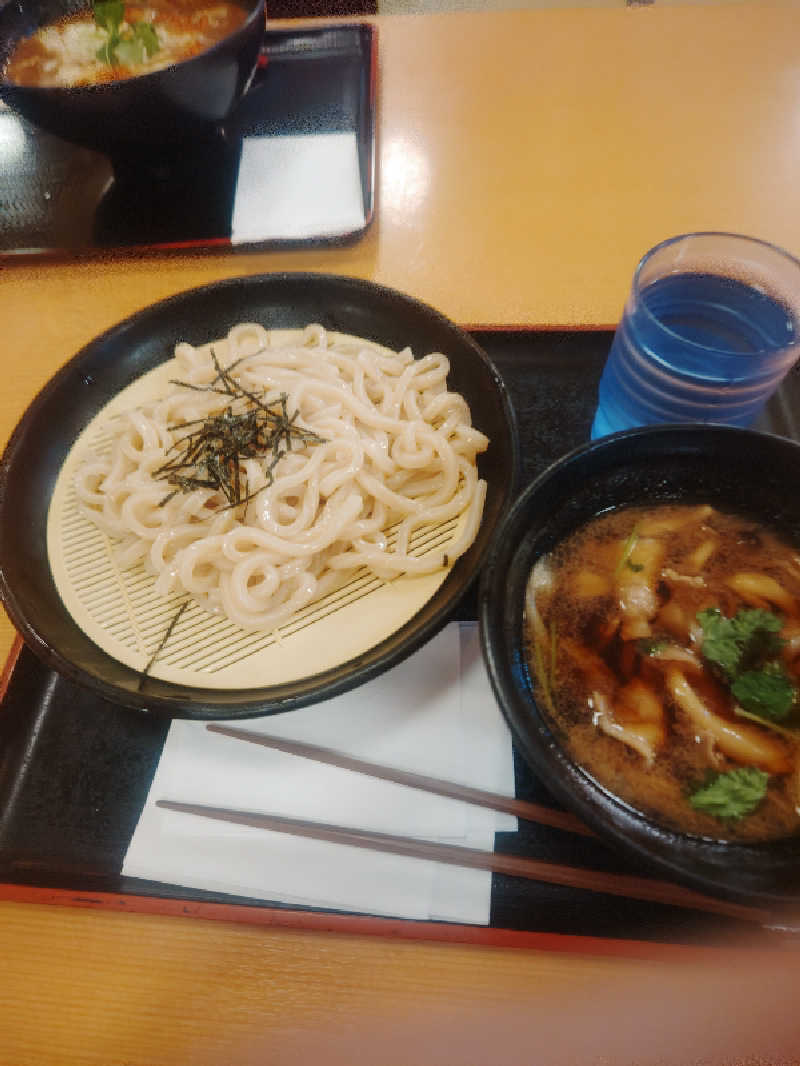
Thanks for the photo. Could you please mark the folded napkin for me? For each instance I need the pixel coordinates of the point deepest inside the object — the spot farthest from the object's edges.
(433, 714)
(296, 187)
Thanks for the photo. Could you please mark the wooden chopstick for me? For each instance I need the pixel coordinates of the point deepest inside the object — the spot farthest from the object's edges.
(529, 812)
(640, 888)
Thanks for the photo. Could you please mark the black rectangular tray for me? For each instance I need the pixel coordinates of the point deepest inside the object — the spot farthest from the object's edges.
(57, 199)
(74, 772)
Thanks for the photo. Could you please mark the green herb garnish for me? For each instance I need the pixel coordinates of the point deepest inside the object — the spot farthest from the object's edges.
(651, 646)
(790, 734)
(732, 795)
(767, 693)
(109, 15)
(142, 44)
(129, 46)
(742, 642)
(743, 649)
(627, 549)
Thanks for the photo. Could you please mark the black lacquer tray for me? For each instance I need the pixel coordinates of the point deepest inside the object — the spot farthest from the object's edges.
(74, 774)
(57, 199)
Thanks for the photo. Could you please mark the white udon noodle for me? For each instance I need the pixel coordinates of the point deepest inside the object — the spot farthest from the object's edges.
(399, 452)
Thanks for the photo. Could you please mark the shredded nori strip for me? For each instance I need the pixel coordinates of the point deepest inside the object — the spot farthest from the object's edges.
(247, 427)
(162, 644)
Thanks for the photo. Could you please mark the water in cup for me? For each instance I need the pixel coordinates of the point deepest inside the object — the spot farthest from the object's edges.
(711, 327)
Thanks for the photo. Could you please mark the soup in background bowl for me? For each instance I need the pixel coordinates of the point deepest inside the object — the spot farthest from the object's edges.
(135, 102)
(594, 618)
(114, 40)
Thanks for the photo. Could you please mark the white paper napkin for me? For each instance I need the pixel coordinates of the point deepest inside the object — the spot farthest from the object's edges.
(432, 714)
(458, 894)
(298, 186)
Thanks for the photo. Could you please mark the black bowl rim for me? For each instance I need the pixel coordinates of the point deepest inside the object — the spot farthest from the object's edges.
(244, 703)
(258, 13)
(569, 783)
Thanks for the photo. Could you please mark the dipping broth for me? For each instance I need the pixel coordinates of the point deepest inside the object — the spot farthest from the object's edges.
(115, 40)
(665, 647)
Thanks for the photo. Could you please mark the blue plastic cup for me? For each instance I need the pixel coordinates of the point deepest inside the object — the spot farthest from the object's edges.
(710, 329)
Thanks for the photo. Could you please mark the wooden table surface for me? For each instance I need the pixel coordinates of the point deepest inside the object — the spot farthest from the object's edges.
(526, 160)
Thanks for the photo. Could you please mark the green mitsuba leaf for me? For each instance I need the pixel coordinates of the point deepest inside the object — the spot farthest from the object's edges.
(744, 650)
(767, 692)
(109, 15)
(742, 642)
(145, 34)
(129, 52)
(129, 46)
(732, 795)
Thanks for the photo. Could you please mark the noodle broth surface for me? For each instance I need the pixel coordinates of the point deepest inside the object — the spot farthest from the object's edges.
(617, 652)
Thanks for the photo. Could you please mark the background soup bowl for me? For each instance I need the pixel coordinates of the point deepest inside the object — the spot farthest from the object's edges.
(732, 469)
(184, 101)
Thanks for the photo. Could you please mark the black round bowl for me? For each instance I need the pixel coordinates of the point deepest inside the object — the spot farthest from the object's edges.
(46, 433)
(182, 102)
(733, 469)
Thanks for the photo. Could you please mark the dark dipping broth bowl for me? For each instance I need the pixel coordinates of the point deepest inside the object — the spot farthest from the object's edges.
(185, 101)
(734, 470)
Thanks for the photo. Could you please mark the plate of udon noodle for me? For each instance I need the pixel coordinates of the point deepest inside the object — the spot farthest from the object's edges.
(254, 495)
